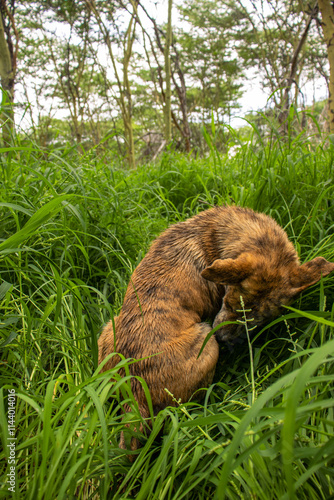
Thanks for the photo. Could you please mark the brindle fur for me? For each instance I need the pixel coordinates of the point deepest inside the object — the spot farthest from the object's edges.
(195, 271)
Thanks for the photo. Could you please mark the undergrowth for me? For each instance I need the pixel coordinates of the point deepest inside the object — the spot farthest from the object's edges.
(73, 228)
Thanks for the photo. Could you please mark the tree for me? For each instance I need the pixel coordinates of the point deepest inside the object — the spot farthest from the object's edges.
(159, 44)
(209, 55)
(61, 62)
(168, 121)
(58, 62)
(8, 66)
(104, 15)
(285, 47)
(78, 84)
(293, 65)
(326, 8)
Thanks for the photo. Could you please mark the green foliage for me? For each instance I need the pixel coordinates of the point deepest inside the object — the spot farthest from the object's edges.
(209, 49)
(74, 226)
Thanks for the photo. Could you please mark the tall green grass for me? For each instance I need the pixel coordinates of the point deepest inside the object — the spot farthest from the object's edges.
(73, 228)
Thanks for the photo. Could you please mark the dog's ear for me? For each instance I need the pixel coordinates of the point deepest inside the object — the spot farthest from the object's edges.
(230, 271)
(309, 273)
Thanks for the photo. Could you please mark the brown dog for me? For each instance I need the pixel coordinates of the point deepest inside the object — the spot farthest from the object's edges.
(220, 254)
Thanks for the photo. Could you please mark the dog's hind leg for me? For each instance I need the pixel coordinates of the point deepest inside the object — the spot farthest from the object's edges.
(181, 371)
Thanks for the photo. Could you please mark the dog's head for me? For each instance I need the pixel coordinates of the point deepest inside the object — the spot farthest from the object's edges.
(265, 286)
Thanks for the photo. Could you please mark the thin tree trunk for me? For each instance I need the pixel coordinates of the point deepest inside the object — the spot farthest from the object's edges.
(7, 110)
(68, 95)
(285, 104)
(181, 91)
(8, 56)
(327, 14)
(292, 73)
(129, 39)
(168, 119)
